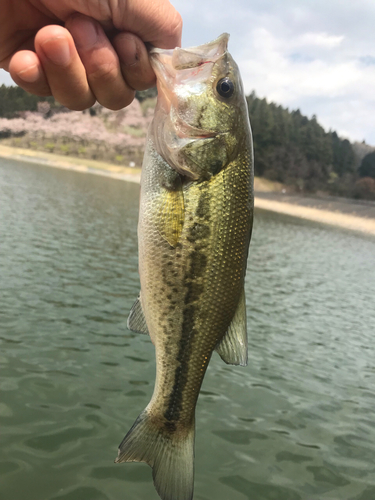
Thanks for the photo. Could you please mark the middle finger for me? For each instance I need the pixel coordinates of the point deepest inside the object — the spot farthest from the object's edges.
(63, 68)
(101, 62)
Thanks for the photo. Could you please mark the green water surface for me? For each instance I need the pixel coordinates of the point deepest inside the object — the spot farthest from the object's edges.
(297, 424)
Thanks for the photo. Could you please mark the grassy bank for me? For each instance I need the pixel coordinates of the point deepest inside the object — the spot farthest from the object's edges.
(360, 223)
(71, 163)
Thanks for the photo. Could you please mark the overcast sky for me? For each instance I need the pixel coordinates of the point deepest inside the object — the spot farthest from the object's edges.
(315, 55)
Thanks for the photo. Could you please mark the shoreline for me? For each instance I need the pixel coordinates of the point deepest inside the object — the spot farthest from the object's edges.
(337, 219)
(71, 163)
(292, 206)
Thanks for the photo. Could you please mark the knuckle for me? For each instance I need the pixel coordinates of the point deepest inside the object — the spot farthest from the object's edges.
(178, 23)
(105, 73)
(42, 92)
(175, 26)
(144, 85)
(78, 105)
(172, 30)
(140, 78)
(120, 101)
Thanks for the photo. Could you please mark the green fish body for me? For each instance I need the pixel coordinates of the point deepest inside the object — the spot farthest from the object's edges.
(195, 222)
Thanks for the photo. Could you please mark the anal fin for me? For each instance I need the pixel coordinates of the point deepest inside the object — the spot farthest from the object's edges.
(233, 346)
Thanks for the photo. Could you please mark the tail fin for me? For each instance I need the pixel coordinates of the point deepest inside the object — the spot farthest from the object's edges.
(169, 452)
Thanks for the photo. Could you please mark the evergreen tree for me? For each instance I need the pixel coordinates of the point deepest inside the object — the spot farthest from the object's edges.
(14, 99)
(367, 167)
(291, 148)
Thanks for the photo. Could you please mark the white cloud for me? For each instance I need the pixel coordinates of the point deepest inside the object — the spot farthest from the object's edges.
(270, 64)
(320, 40)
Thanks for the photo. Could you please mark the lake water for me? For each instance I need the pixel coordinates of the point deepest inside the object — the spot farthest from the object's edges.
(297, 424)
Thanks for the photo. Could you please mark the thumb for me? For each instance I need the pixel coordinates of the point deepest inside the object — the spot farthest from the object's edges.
(156, 22)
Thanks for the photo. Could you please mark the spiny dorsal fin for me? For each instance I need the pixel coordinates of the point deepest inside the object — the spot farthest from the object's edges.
(233, 347)
(136, 320)
(170, 214)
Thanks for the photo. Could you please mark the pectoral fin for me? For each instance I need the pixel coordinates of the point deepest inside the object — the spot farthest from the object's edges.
(170, 214)
(206, 157)
(136, 320)
(233, 347)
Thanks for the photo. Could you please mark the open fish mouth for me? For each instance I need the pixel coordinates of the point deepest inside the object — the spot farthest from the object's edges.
(193, 57)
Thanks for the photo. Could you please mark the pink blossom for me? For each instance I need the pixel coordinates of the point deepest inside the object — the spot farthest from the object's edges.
(119, 129)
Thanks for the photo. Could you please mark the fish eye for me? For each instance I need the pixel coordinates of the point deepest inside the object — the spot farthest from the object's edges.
(225, 87)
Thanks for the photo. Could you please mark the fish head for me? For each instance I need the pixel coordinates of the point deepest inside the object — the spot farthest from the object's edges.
(201, 118)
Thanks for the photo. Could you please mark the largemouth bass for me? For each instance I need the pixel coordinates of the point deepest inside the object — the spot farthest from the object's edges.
(194, 230)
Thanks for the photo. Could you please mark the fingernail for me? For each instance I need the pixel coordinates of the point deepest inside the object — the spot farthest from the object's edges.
(127, 50)
(30, 74)
(57, 50)
(84, 32)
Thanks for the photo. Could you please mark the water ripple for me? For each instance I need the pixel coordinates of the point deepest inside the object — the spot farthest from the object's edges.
(296, 424)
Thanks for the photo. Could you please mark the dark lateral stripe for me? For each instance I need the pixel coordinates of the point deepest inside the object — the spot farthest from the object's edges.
(198, 234)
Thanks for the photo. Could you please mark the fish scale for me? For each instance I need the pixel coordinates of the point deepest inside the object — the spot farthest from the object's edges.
(194, 230)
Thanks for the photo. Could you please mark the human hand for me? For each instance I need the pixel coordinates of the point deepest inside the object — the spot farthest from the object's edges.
(81, 51)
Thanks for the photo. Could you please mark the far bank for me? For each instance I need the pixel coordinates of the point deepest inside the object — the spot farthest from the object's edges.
(348, 214)
(71, 163)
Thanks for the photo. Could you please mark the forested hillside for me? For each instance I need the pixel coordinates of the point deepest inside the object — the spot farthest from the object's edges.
(289, 147)
(14, 99)
(294, 149)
